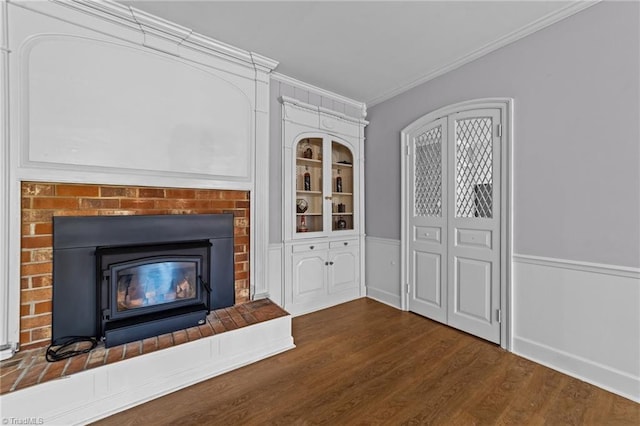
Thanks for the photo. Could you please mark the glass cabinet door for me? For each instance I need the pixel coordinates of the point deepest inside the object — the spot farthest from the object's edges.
(309, 204)
(342, 210)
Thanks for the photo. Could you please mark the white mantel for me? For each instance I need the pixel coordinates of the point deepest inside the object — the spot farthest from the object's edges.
(97, 92)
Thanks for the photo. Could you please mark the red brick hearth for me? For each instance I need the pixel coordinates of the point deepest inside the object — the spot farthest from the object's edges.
(28, 368)
(42, 201)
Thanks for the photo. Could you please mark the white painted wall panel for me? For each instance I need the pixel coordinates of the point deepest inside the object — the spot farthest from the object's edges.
(95, 103)
(383, 270)
(583, 322)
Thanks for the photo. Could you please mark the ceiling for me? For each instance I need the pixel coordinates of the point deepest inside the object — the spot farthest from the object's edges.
(365, 50)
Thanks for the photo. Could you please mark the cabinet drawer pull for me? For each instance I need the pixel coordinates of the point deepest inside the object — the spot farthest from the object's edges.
(311, 247)
(330, 263)
(346, 243)
(326, 263)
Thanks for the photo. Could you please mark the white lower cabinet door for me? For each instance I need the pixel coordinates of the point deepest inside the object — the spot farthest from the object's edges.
(343, 269)
(309, 275)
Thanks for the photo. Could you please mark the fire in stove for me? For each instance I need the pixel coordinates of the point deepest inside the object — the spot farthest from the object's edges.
(126, 278)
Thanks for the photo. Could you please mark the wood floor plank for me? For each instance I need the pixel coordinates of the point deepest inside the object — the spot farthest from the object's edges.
(365, 363)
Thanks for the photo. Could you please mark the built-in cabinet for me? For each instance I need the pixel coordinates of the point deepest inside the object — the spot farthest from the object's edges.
(323, 223)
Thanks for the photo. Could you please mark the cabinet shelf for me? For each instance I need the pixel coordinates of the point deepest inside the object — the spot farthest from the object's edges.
(343, 214)
(308, 214)
(301, 191)
(338, 165)
(348, 194)
(311, 161)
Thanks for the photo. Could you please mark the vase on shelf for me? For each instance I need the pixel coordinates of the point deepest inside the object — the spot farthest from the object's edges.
(339, 182)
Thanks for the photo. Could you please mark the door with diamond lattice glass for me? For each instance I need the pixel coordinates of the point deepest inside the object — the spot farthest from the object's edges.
(454, 221)
(428, 206)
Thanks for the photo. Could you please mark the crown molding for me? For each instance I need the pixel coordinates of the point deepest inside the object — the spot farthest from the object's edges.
(516, 35)
(155, 27)
(287, 100)
(360, 106)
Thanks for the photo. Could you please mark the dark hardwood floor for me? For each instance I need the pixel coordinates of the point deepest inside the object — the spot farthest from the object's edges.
(366, 363)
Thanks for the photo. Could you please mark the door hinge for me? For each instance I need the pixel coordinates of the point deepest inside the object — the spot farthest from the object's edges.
(499, 130)
(408, 288)
(499, 316)
(407, 150)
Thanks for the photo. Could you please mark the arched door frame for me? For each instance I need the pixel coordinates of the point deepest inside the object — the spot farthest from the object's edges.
(505, 105)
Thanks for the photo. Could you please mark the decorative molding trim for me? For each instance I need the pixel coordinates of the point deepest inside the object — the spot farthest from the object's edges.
(7, 317)
(361, 106)
(598, 268)
(318, 109)
(605, 377)
(380, 240)
(170, 32)
(545, 21)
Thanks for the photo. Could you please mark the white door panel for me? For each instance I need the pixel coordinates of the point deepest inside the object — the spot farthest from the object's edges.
(343, 268)
(427, 223)
(453, 216)
(474, 222)
(308, 275)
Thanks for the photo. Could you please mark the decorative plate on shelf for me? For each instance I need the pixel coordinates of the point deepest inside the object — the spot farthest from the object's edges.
(301, 205)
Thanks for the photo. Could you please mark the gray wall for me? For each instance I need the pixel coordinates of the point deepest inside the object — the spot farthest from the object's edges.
(577, 138)
(278, 89)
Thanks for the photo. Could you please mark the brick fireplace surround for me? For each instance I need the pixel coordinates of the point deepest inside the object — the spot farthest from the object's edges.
(42, 201)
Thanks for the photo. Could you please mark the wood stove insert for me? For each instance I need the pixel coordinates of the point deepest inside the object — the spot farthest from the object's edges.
(126, 278)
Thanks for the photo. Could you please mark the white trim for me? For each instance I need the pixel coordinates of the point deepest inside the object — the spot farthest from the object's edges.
(598, 268)
(545, 21)
(360, 106)
(388, 241)
(597, 374)
(385, 297)
(276, 273)
(150, 24)
(100, 392)
(318, 109)
(7, 296)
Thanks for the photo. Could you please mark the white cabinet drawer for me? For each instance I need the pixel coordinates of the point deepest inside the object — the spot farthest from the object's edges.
(343, 244)
(310, 247)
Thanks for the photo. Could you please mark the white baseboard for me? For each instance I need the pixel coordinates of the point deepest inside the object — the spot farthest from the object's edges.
(579, 318)
(383, 270)
(382, 296)
(615, 381)
(94, 394)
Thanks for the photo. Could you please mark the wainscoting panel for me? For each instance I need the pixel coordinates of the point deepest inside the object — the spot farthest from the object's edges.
(276, 276)
(383, 270)
(579, 318)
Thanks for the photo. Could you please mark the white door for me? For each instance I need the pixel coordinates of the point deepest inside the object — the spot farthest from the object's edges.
(428, 221)
(474, 223)
(454, 221)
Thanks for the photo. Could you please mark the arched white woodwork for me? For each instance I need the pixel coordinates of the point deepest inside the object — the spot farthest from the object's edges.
(456, 229)
(325, 237)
